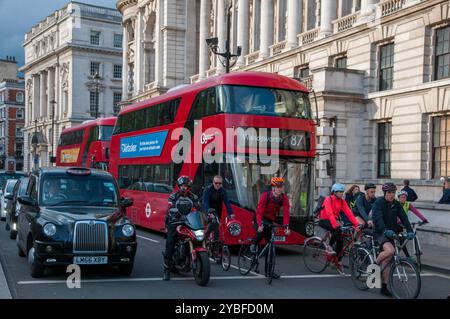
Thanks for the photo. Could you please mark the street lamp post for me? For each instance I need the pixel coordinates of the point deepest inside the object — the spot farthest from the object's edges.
(97, 79)
(213, 44)
(52, 157)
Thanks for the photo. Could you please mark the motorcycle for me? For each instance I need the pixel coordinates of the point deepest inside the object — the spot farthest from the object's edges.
(190, 249)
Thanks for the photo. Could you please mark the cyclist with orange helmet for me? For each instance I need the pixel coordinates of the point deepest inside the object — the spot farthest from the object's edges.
(270, 203)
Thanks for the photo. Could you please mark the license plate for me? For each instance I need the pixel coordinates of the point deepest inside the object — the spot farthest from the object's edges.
(90, 260)
(280, 238)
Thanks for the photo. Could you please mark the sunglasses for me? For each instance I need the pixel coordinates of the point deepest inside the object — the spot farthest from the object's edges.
(218, 183)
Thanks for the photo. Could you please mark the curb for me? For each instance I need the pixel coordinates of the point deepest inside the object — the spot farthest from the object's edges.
(438, 269)
(5, 293)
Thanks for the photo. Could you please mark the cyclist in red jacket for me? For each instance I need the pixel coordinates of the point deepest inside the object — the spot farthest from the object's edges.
(333, 205)
(268, 207)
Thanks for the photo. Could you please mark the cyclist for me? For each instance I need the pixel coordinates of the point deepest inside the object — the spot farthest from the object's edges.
(213, 198)
(184, 200)
(351, 196)
(385, 212)
(364, 205)
(407, 207)
(333, 206)
(268, 207)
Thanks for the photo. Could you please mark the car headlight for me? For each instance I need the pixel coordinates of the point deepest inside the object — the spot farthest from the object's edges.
(234, 229)
(128, 230)
(49, 230)
(199, 234)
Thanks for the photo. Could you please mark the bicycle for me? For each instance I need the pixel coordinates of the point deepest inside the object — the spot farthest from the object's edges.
(402, 270)
(218, 250)
(315, 251)
(249, 260)
(416, 245)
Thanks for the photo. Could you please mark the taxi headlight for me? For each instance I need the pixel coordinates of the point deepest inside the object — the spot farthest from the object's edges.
(234, 229)
(199, 234)
(49, 230)
(128, 230)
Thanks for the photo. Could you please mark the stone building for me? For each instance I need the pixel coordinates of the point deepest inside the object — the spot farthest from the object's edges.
(63, 53)
(379, 70)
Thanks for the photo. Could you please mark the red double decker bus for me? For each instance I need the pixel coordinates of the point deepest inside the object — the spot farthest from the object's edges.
(246, 127)
(87, 144)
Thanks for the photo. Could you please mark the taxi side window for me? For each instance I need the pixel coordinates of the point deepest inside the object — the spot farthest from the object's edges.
(32, 189)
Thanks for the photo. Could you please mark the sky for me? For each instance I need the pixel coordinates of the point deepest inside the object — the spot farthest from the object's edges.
(18, 16)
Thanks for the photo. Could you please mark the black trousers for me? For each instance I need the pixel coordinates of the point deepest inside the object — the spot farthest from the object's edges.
(267, 235)
(214, 227)
(335, 236)
(170, 241)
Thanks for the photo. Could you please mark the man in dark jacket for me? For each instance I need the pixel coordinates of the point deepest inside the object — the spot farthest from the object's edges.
(385, 212)
(364, 204)
(412, 196)
(214, 197)
(445, 199)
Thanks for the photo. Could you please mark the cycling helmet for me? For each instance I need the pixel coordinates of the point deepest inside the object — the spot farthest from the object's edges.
(369, 186)
(338, 188)
(389, 187)
(277, 181)
(402, 193)
(184, 180)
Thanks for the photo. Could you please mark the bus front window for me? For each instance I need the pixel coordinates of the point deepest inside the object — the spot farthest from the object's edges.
(264, 101)
(245, 182)
(105, 133)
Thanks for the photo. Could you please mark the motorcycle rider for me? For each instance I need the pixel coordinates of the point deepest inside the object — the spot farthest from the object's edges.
(183, 200)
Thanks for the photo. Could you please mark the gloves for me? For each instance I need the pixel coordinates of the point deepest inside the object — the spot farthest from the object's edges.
(389, 233)
(410, 235)
(425, 221)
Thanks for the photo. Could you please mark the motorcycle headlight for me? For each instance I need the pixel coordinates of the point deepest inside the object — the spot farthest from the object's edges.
(199, 234)
(49, 230)
(234, 229)
(128, 230)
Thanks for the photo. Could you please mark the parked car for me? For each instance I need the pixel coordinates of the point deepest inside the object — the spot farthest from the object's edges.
(7, 192)
(74, 216)
(13, 206)
(4, 177)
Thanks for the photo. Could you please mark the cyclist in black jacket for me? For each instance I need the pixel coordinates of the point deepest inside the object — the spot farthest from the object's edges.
(385, 212)
(364, 205)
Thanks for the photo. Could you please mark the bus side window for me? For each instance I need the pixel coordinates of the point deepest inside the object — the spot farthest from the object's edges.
(205, 104)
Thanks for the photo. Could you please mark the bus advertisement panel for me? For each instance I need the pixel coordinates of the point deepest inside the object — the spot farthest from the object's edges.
(247, 127)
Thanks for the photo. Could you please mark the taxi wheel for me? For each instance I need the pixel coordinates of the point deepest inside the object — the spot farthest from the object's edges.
(36, 268)
(126, 270)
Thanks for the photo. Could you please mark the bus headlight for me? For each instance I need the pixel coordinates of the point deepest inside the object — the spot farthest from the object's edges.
(234, 228)
(128, 230)
(199, 234)
(49, 230)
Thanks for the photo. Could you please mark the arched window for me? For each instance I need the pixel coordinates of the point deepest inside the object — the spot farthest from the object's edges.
(19, 97)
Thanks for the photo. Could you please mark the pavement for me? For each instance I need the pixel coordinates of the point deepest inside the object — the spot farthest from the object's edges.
(145, 282)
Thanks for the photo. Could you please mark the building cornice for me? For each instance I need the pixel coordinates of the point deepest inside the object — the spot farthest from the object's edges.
(123, 4)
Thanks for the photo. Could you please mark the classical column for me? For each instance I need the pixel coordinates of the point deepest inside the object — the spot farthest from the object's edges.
(42, 100)
(159, 58)
(205, 11)
(368, 7)
(328, 12)
(243, 30)
(36, 98)
(139, 53)
(293, 24)
(50, 90)
(125, 62)
(221, 32)
(266, 28)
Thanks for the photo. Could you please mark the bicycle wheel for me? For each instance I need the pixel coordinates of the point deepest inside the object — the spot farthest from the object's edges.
(226, 258)
(404, 279)
(270, 264)
(418, 252)
(245, 260)
(359, 259)
(315, 256)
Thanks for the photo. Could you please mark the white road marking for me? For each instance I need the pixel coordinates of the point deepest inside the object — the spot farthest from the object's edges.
(237, 268)
(149, 239)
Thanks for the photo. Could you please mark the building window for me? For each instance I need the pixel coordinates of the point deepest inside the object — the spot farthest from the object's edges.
(19, 97)
(95, 68)
(19, 114)
(386, 66)
(340, 63)
(302, 72)
(93, 104)
(118, 40)
(443, 53)
(19, 150)
(19, 131)
(95, 37)
(117, 71)
(117, 98)
(441, 146)
(384, 149)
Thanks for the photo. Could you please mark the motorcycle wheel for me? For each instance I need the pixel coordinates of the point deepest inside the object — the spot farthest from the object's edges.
(202, 273)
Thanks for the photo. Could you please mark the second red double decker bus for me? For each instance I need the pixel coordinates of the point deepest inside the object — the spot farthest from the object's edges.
(226, 125)
(87, 144)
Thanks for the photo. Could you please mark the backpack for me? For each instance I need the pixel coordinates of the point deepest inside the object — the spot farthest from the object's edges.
(319, 206)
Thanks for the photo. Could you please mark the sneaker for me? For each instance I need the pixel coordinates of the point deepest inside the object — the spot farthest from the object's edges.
(340, 268)
(385, 291)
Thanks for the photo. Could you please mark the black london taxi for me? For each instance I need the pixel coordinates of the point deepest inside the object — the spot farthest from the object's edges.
(13, 206)
(74, 216)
